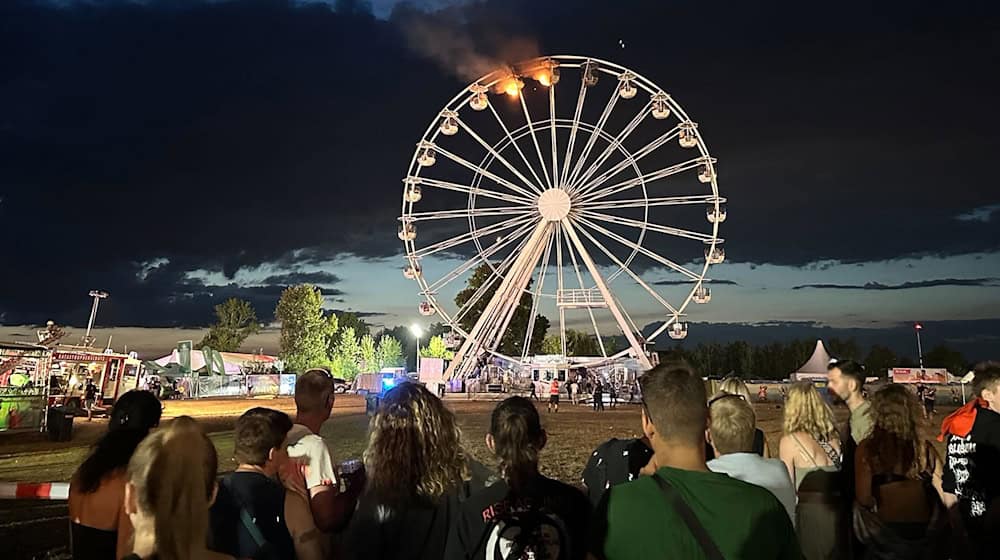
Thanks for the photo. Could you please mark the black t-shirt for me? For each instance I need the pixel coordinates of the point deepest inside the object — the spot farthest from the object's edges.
(389, 532)
(614, 462)
(547, 517)
(264, 500)
(972, 471)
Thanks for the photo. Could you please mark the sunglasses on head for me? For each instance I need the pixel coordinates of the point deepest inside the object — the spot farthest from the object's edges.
(724, 395)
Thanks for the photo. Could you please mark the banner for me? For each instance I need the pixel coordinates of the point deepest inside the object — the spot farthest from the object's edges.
(918, 375)
(184, 356)
(214, 363)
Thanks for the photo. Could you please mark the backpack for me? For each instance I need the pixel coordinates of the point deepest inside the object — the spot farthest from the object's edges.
(527, 535)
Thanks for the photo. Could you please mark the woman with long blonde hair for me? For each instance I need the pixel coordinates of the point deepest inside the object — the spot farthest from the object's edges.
(171, 485)
(416, 471)
(810, 449)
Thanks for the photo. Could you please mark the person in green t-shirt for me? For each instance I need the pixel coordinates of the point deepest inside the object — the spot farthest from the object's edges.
(635, 520)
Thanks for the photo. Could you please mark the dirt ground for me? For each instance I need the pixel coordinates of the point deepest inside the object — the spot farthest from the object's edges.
(39, 529)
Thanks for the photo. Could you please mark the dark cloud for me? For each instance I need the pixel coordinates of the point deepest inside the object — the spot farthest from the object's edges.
(684, 283)
(223, 135)
(318, 278)
(990, 282)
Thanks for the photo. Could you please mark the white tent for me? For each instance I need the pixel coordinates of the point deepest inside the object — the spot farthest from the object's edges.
(233, 361)
(815, 366)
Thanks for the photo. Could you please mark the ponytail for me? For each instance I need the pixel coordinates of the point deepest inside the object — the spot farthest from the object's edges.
(173, 472)
(517, 439)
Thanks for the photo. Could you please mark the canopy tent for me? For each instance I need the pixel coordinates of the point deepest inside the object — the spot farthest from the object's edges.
(234, 361)
(815, 366)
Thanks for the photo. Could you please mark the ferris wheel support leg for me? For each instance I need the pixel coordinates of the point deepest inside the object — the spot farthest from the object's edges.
(499, 309)
(626, 329)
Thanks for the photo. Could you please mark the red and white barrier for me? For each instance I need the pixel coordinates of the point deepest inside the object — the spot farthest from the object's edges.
(34, 490)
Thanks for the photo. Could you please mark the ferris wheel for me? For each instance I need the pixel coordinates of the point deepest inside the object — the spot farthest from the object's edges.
(589, 204)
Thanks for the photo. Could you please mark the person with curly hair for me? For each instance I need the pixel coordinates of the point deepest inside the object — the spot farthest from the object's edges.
(810, 448)
(417, 472)
(898, 481)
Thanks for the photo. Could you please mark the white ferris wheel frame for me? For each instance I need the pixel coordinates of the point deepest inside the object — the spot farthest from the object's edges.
(530, 258)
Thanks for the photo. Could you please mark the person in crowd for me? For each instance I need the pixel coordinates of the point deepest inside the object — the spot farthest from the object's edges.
(613, 394)
(733, 385)
(171, 485)
(576, 391)
(683, 510)
(845, 383)
(524, 514)
(99, 527)
(90, 398)
(569, 391)
(898, 482)
(417, 472)
(598, 395)
(731, 430)
(248, 517)
(314, 398)
(810, 449)
(554, 394)
(534, 390)
(971, 480)
(930, 399)
(614, 462)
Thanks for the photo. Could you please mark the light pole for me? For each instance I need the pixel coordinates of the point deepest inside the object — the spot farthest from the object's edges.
(917, 327)
(417, 333)
(98, 295)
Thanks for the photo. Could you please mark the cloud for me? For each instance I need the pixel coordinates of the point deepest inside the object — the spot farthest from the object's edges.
(317, 278)
(686, 283)
(959, 282)
(983, 214)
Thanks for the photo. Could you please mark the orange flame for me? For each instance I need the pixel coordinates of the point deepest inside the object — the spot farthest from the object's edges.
(544, 77)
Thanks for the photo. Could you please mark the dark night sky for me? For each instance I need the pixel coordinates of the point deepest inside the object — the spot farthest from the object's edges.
(178, 153)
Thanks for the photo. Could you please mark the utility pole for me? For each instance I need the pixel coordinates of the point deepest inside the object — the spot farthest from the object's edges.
(98, 295)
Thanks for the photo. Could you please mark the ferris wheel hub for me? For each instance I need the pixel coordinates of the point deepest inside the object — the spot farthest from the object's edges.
(554, 204)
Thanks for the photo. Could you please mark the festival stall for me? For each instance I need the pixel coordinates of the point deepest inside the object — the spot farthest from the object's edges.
(23, 388)
(72, 366)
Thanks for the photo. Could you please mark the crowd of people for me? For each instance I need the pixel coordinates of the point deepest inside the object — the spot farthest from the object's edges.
(699, 483)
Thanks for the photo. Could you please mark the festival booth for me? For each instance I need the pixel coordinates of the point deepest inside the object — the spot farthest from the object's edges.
(209, 373)
(111, 372)
(23, 386)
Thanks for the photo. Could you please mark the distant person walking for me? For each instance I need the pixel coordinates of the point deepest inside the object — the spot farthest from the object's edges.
(90, 398)
(554, 394)
(598, 396)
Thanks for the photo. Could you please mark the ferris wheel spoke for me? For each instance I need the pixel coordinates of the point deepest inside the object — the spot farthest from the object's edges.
(484, 172)
(552, 131)
(467, 213)
(667, 230)
(477, 191)
(572, 133)
(617, 143)
(538, 184)
(496, 155)
(469, 236)
(534, 139)
(480, 257)
(642, 202)
(579, 278)
(559, 287)
(528, 335)
(629, 271)
(496, 273)
(658, 258)
(616, 311)
(593, 137)
(629, 161)
(590, 195)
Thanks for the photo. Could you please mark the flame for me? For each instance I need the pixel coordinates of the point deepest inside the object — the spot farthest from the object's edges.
(544, 77)
(512, 87)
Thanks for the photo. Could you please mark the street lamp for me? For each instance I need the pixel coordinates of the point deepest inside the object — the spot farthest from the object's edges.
(917, 327)
(417, 333)
(98, 295)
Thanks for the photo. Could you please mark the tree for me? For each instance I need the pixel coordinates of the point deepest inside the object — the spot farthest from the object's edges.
(436, 348)
(879, 360)
(942, 356)
(512, 341)
(369, 354)
(552, 344)
(235, 321)
(345, 360)
(579, 343)
(304, 329)
(331, 334)
(390, 352)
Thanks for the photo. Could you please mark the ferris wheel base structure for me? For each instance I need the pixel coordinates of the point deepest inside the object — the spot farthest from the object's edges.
(574, 191)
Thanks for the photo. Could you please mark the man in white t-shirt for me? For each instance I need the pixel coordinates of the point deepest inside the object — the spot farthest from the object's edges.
(731, 430)
(331, 508)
